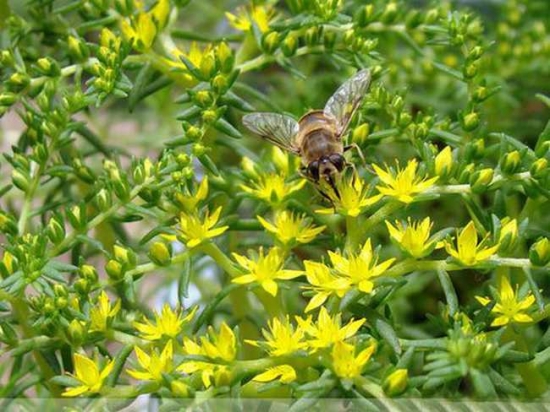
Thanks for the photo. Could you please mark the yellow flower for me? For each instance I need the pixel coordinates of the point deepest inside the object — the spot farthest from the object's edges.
(167, 324)
(345, 363)
(289, 228)
(87, 372)
(509, 307)
(273, 188)
(100, 315)
(351, 198)
(468, 251)
(142, 28)
(265, 270)
(244, 18)
(324, 283)
(281, 339)
(360, 269)
(218, 347)
(154, 365)
(284, 373)
(193, 231)
(326, 331)
(404, 184)
(188, 201)
(222, 345)
(413, 238)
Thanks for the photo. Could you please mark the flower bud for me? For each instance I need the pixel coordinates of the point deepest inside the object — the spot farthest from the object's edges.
(289, 44)
(248, 167)
(443, 162)
(82, 286)
(480, 94)
(475, 53)
(413, 19)
(210, 116)
(510, 162)
(160, 254)
(539, 168)
(76, 332)
(470, 121)
(20, 179)
(198, 149)
(125, 256)
(114, 269)
(364, 15)
(208, 66)
(89, 273)
(77, 217)
(360, 133)
(48, 67)
(539, 253)
(225, 56)
(56, 230)
(103, 200)
(6, 58)
(220, 83)
(396, 383)
(203, 98)
(78, 49)
(7, 225)
(481, 179)
(508, 234)
(7, 99)
(470, 70)
(313, 35)
(389, 14)
(18, 81)
(329, 40)
(271, 41)
(179, 389)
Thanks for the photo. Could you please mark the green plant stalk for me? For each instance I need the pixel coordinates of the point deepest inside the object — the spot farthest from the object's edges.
(29, 195)
(212, 250)
(533, 380)
(21, 312)
(149, 267)
(353, 234)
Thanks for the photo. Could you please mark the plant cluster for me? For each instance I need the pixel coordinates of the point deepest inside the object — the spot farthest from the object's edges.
(152, 247)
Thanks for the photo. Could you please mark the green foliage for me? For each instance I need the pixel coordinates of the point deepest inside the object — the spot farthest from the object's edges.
(128, 178)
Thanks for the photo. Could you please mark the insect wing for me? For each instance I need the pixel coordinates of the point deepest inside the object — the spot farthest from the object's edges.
(279, 129)
(345, 101)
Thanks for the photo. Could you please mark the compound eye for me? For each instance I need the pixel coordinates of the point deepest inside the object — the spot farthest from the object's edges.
(338, 161)
(313, 170)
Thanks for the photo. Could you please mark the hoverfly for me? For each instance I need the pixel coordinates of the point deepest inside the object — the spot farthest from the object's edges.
(317, 136)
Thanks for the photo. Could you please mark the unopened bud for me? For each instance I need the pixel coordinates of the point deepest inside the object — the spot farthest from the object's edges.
(510, 162)
(56, 230)
(89, 273)
(103, 200)
(444, 162)
(396, 383)
(225, 56)
(470, 121)
(539, 168)
(481, 179)
(20, 179)
(76, 332)
(270, 42)
(508, 234)
(114, 269)
(360, 133)
(539, 253)
(289, 45)
(160, 254)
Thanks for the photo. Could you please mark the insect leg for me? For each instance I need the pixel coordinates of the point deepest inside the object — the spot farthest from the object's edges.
(359, 151)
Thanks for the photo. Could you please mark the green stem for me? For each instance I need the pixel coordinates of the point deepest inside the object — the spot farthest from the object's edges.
(149, 267)
(380, 214)
(449, 290)
(21, 313)
(212, 250)
(353, 234)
